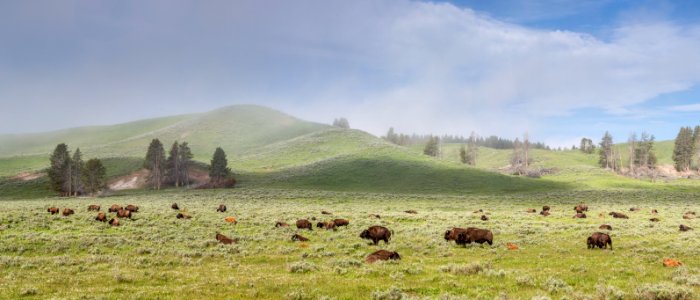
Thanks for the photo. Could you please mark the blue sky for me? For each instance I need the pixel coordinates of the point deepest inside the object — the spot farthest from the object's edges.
(558, 69)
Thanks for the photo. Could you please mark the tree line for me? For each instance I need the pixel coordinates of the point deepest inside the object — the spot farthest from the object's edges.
(686, 149)
(71, 176)
(492, 141)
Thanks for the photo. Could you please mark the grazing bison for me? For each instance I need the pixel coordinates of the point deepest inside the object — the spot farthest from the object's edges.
(183, 216)
(475, 235)
(618, 215)
(580, 216)
(323, 212)
(684, 228)
(375, 216)
(654, 219)
(600, 240)
(174, 206)
(304, 224)
(132, 208)
(451, 235)
(114, 208)
(410, 211)
(224, 239)
(654, 211)
(299, 238)
(123, 213)
(101, 217)
(67, 212)
(545, 213)
(382, 255)
(326, 225)
(114, 222)
(341, 222)
(376, 234)
(581, 208)
(545, 208)
(94, 207)
(605, 227)
(222, 208)
(484, 218)
(531, 210)
(53, 210)
(281, 224)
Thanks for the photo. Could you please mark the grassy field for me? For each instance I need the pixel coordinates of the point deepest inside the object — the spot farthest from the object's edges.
(158, 256)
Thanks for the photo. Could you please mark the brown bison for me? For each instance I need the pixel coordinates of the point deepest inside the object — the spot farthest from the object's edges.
(101, 217)
(132, 208)
(531, 210)
(376, 234)
(375, 216)
(579, 216)
(605, 227)
(545, 213)
(67, 212)
(635, 209)
(618, 215)
(484, 218)
(174, 206)
(382, 255)
(478, 211)
(600, 240)
(299, 238)
(94, 207)
(224, 239)
(654, 211)
(183, 216)
(304, 224)
(451, 235)
(222, 208)
(545, 208)
(281, 224)
(581, 208)
(654, 219)
(689, 215)
(326, 225)
(410, 211)
(684, 228)
(475, 235)
(323, 212)
(114, 222)
(53, 210)
(341, 222)
(114, 208)
(123, 213)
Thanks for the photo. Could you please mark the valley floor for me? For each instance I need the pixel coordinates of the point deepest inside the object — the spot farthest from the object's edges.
(156, 255)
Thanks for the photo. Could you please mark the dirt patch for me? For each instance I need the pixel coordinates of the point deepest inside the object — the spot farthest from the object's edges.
(135, 180)
(27, 176)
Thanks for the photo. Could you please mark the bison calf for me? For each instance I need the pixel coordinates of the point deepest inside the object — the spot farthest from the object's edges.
(174, 206)
(545, 208)
(618, 215)
(484, 218)
(94, 207)
(475, 235)
(304, 224)
(224, 239)
(581, 208)
(326, 225)
(183, 216)
(67, 212)
(222, 208)
(101, 217)
(382, 255)
(299, 238)
(53, 210)
(600, 240)
(376, 234)
(114, 222)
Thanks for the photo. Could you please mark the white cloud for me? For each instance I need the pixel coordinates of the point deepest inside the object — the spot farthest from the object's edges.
(685, 108)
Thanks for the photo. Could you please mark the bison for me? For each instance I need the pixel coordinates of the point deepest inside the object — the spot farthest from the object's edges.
(53, 210)
(222, 208)
(114, 208)
(224, 239)
(281, 224)
(545, 213)
(600, 240)
(635, 209)
(654, 219)
(684, 228)
(410, 211)
(618, 215)
(132, 208)
(375, 216)
(545, 208)
(174, 206)
(114, 222)
(484, 218)
(376, 234)
(299, 238)
(475, 235)
(605, 227)
(304, 224)
(654, 211)
(183, 216)
(382, 255)
(341, 222)
(326, 225)
(531, 210)
(101, 217)
(123, 213)
(323, 212)
(94, 207)
(478, 211)
(451, 235)
(581, 208)
(579, 216)
(67, 212)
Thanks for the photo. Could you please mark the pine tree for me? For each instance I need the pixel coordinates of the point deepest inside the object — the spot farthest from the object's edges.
(696, 146)
(342, 123)
(463, 155)
(432, 148)
(59, 170)
(155, 162)
(93, 176)
(683, 149)
(219, 166)
(77, 166)
(185, 162)
(173, 166)
(472, 149)
(606, 152)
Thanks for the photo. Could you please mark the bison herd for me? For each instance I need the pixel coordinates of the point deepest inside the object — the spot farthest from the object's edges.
(461, 236)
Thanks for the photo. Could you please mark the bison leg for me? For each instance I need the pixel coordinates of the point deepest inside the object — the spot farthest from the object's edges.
(386, 240)
(375, 241)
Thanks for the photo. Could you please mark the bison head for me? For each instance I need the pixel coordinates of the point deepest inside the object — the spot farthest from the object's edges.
(365, 234)
(395, 255)
(447, 235)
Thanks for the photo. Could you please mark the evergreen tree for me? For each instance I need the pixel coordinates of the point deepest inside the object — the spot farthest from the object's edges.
(683, 149)
(185, 162)
(432, 148)
(59, 170)
(77, 166)
(472, 149)
(518, 156)
(587, 146)
(342, 123)
(93, 176)
(606, 152)
(463, 155)
(696, 146)
(155, 162)
(173, 165)
(219, 166)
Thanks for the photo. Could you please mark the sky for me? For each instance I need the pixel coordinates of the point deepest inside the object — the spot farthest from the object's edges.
(559, 70)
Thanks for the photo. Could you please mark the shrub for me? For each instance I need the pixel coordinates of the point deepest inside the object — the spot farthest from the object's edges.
(662, 292)
(301, 267)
